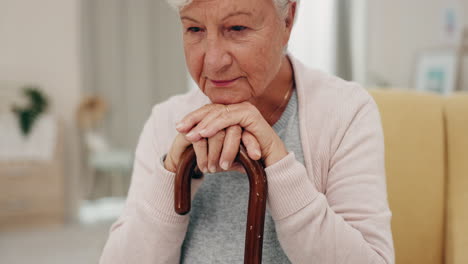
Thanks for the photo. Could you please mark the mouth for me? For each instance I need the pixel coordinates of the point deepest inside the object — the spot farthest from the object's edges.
(223, 83)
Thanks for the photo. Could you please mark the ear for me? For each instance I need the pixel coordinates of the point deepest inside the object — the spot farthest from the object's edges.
(289, 21)
(290, 16)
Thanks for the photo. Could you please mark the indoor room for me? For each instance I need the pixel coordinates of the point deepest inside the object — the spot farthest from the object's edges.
(82, 80)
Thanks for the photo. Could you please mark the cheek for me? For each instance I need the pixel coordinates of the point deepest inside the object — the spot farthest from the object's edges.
(193, 59)
(261, 62)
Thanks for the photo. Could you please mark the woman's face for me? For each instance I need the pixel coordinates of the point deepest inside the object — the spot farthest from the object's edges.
(233, 48)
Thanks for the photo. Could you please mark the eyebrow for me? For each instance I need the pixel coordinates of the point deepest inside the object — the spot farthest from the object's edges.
(237, 13)
(189, 18)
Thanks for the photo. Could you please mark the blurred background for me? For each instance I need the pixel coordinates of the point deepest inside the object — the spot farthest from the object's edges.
(78, 79)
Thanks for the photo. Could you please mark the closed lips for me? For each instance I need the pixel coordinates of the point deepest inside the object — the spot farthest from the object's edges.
(224, 81)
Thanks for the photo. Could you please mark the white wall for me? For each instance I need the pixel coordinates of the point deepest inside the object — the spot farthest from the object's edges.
(39, 44)
(313, 36)
(398, 30)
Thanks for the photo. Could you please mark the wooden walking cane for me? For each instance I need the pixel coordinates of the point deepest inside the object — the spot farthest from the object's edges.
(257, 198)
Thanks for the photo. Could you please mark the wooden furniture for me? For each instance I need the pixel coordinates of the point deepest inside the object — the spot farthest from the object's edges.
(32, 192)
(257, 198)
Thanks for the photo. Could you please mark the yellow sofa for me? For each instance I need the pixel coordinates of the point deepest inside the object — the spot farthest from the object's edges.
(426, 141)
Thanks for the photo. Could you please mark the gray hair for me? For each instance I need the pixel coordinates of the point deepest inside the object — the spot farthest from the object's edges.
(281, 5)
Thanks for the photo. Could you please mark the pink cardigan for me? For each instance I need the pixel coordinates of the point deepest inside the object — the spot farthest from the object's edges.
(332, 210)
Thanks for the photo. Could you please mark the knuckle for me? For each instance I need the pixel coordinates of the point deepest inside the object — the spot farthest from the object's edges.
(225, 115)
(237, 129)
(189, 119)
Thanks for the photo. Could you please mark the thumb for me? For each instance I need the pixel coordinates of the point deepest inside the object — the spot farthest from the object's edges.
(178, 147)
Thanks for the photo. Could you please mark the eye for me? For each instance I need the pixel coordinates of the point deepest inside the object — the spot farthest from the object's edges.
(194, 29)
(237, 28)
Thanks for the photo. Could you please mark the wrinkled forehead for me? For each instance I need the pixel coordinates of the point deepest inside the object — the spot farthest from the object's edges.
(220, 8)
(229, 5)
(220, 2)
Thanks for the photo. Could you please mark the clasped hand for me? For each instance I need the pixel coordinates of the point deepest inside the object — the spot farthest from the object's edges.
(216, 130)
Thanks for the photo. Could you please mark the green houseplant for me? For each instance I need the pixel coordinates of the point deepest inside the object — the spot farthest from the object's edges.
(27, 115)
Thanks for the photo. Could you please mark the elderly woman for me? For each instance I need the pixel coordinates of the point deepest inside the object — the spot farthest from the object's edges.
(319, 137)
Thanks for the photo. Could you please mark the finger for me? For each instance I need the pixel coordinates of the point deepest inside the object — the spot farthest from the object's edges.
(215, 146)
(201, 151)
(249, 118)
(252, 145)
(216, 111)
(244, 114)
(180, 144)
(230, 146)
(191, 119)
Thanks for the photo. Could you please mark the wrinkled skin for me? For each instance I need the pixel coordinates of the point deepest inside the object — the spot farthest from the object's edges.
(234, 51)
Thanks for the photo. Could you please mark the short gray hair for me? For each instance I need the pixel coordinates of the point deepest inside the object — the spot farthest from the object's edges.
(281, 5)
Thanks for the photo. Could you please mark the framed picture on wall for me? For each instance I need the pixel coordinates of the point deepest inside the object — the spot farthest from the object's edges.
(436, 71)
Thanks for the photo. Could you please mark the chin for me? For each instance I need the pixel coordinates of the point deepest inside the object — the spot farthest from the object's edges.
(225, 96)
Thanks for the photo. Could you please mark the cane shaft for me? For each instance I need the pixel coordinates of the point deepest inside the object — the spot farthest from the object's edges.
(257, 198)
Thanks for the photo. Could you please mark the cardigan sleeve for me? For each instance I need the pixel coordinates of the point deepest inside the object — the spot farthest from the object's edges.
(148, 231)
(350, 222)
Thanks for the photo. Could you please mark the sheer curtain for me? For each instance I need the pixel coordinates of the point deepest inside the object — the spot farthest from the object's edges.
(313, 36)
(330, 35)
(133, 59)
(351, 30)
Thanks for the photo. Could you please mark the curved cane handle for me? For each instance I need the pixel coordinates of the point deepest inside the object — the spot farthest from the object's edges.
(257, 198)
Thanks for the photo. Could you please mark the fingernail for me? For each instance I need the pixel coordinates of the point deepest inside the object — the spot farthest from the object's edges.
(212, 169)
(205, 170)
(190, 134)
(257, 153)
(225, 165)
(202, 132)
(179, 125)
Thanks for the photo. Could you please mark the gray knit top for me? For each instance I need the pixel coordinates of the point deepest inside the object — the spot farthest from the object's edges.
(216, 232)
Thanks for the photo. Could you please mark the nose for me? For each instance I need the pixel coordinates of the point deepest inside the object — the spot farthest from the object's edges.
(217, 57)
